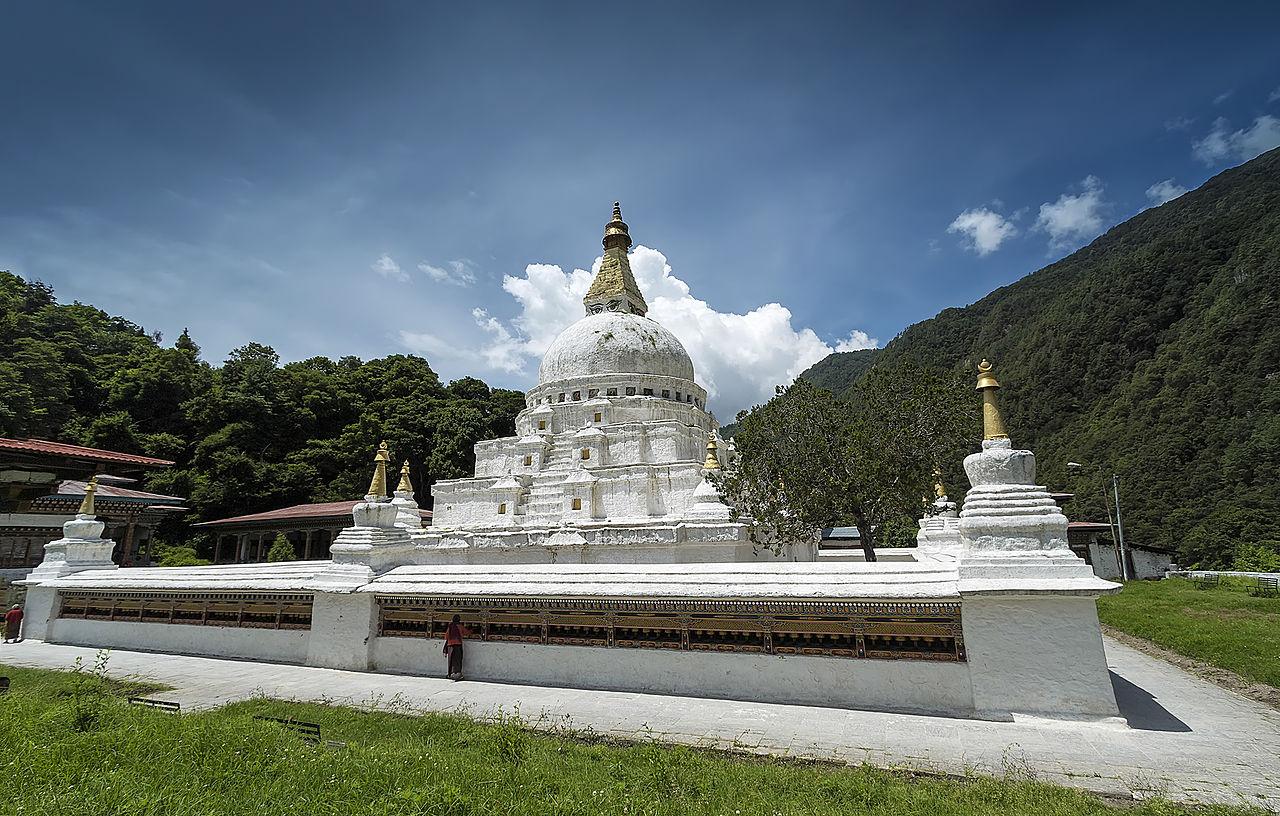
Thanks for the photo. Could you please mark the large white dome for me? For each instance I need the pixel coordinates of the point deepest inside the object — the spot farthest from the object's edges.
(614, 343)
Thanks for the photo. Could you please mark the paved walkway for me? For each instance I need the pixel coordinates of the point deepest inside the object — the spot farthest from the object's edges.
(1189, 740)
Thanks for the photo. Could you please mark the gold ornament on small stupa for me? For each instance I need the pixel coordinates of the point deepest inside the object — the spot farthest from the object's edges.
(939, 490)
(86, 504)
(405, 485)
(992, 422)
(378, 486)
(713, 461)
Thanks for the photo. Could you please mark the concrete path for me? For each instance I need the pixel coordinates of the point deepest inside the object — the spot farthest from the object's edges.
(1189, 740)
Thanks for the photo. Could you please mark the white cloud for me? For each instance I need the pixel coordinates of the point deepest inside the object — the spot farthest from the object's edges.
(1073, 219)
(1223, 145)
(1224, 96)
(1178, 123)
(457, 273)
(503, 352)
(388, 268)
(1274, 96)
(984, 229)
(739, 358)
(857, 341)
(1163, 191)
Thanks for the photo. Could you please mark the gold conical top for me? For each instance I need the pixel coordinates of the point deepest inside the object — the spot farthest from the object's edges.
(986, 379)
(405, 485)
(938, 489)
(378, 486)
(614, 288)
(86, 504)
(713, 461)
(992, 422)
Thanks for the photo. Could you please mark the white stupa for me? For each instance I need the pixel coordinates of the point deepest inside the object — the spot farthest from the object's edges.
(608, 461)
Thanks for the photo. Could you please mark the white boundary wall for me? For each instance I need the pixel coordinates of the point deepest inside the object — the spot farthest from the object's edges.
(887, 685)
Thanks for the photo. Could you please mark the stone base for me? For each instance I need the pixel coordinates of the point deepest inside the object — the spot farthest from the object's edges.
(1037, 655)
(709, 540)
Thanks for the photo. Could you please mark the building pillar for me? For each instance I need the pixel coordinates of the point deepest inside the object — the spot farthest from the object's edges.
(126, 555)
(242, 547)
(311, 540)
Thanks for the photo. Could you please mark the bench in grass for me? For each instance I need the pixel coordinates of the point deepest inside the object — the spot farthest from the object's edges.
(1267, 587)
(1210, 581)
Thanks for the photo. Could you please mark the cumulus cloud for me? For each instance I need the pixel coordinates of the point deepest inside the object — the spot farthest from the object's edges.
(455, 273)
(1163, 191)
(984, 230)
(1222, 144)
(857, 341)
(1073, 219)
(739, 358)
(388, 268)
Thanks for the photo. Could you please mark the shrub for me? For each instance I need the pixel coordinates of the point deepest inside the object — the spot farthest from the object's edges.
(281, 550)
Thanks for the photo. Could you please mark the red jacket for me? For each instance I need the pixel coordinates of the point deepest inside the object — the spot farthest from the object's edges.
(453, 635)
(13, 616)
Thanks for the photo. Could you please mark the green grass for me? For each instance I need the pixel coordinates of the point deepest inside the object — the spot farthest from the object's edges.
(1226, 626)
(72, 746)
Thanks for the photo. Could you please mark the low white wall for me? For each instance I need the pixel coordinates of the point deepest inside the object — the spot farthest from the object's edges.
(897, 685)
(279, 645)
(1037, 655)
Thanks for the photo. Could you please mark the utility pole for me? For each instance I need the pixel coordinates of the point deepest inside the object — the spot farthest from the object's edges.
(1124, 562)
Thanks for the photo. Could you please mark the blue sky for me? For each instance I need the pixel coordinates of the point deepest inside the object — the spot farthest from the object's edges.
(378, 178)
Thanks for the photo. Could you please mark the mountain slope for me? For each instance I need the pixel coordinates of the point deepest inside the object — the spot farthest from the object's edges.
(1154, 353)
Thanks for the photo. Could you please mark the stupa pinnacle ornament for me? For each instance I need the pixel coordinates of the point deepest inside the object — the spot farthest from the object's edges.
(614, 288)
(405, 485)
(86, 505)
(992, 422)
(378, 486)
(713, 461)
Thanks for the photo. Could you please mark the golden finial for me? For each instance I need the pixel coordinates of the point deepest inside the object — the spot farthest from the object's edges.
(713, 461)
(86, 504)
(617, 211)
(938, 490)
(992, 422)
(405, 485)
(378, 487)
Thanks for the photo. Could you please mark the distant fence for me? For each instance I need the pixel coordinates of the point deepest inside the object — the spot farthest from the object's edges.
(1220, 574)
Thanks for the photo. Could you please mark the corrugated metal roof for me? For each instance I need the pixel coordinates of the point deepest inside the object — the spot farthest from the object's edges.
(80, 452)
(295, 513)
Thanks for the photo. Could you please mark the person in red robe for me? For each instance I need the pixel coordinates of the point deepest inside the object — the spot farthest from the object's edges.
(453, 647)
(13, 625)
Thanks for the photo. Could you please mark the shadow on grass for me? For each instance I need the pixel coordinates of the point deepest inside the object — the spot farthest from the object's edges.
(1141, 709)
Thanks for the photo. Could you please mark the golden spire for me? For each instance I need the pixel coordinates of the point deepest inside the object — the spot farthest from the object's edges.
(992, 422)
(405, 485)
(938, 490)
(614, 288)
(378, 487)
(86, 504)
(713, 461)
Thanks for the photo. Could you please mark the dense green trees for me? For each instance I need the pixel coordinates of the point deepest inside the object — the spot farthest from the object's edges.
(248, 435)
(806, 460)
(1153, 353)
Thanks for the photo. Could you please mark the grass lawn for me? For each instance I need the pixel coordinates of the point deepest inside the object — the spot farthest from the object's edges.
(71, 745)
(1227, 626)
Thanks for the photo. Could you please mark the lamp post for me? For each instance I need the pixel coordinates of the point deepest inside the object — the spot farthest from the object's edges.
(1117, 530)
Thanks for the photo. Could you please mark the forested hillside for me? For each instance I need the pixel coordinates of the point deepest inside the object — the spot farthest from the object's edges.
(1154, 353)
(247, 435)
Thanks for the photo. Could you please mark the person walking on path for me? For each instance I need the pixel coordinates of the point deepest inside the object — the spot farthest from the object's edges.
(13, 625)
(453, 647)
